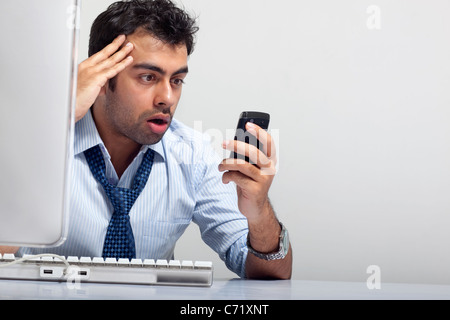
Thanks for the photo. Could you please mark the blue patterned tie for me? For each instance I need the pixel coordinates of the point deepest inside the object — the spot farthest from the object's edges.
(119, 241)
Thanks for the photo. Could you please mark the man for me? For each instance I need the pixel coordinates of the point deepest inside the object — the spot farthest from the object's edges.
(140, 176)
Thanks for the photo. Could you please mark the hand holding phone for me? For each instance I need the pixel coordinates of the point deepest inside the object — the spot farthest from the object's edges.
(261, 119)
(254, 176)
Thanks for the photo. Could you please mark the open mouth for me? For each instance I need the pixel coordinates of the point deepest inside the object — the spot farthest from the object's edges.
(158, 121)
(158, 125)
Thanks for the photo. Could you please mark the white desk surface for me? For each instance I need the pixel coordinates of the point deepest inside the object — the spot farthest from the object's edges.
(234, 289)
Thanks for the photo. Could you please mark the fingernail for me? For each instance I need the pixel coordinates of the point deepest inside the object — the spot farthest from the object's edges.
(225, 143)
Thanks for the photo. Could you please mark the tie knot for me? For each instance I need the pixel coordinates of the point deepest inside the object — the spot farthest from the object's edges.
(122, 199)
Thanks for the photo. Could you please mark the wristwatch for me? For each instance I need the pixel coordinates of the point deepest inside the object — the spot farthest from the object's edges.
(278, 255)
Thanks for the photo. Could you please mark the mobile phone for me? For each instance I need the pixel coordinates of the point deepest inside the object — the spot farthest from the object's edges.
(261, 119)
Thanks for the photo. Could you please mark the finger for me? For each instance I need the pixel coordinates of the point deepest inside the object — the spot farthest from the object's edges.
(117, 57)
(100, 79)
(255, 173)
(240, 179)
(264, 138)
(108, 51)
(119, 67)
(253, 153)
(240, 165)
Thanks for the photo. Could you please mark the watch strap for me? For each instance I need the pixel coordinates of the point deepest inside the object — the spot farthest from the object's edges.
(277, 255)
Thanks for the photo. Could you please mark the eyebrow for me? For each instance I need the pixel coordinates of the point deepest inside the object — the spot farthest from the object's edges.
(152, 67)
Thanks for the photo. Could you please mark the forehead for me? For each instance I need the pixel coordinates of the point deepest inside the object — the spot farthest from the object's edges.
(148, 49)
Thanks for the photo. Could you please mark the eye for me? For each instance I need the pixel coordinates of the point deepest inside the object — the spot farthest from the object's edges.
(178, 81)
(148, 78)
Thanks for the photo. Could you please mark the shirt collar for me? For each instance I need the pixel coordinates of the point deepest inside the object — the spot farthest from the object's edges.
(87, 136)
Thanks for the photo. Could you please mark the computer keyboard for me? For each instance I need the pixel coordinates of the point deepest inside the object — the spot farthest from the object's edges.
(49, 267)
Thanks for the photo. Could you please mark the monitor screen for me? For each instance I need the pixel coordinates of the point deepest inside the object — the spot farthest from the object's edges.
(37, 81)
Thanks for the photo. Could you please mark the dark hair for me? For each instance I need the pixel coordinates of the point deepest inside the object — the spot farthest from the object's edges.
(161, 18)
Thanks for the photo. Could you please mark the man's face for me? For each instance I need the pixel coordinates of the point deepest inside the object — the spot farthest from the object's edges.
(146, 94)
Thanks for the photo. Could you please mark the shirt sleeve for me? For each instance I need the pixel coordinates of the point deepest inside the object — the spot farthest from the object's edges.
(223, 228)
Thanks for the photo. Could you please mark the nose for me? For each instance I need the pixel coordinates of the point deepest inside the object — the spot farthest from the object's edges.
(164, 95)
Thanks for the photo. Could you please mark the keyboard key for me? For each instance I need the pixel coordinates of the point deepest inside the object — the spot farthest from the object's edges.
(9, 257)
(110, 261)
(161, 263)
(72, 259)
(123, 262)
(149, 263)
(136, 263)
(48, 259)
(203, 265)
(57, 260)
(86, 260)
(99, 261)
(187, 264)
(31, 258)
(174, 264)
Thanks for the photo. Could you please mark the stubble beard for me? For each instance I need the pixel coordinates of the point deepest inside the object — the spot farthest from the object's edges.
(123, 123)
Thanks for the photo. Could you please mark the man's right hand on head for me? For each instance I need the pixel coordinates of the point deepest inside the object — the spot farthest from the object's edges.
(94, 73)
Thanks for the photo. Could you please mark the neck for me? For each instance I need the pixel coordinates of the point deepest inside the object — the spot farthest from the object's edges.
(121, 149)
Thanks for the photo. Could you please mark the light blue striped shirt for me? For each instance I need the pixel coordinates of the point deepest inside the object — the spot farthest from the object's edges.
(184, 186)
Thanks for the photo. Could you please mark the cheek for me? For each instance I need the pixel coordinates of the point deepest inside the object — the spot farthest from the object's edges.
(134, 97)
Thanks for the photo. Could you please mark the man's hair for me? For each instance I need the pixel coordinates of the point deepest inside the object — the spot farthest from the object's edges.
(161, 18)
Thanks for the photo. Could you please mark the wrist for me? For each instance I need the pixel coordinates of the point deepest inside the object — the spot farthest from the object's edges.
(280, 253)
(264, 232)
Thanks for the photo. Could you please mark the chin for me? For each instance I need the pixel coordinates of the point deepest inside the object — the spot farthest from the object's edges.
(149, 139)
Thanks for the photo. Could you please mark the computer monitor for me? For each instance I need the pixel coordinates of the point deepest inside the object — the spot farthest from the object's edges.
(37, 93)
